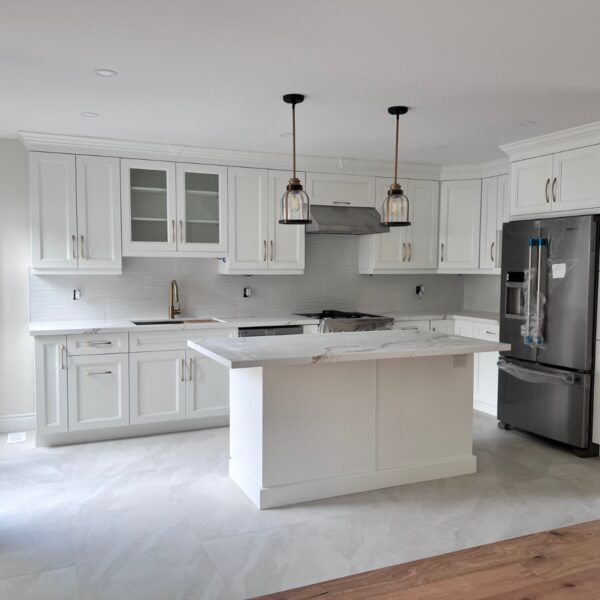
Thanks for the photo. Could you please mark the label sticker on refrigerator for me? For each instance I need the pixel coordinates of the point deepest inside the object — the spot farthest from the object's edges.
(559, 270)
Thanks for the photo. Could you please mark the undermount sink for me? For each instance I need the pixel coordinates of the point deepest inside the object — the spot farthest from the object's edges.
(177, 321)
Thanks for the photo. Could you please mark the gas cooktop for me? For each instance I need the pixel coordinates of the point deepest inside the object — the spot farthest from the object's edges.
(338, 320)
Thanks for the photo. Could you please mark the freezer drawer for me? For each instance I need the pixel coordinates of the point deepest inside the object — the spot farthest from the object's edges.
(550, 402)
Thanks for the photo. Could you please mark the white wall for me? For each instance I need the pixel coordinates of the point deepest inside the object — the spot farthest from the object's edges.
(331, 280)
(16, 347)
(482, 292)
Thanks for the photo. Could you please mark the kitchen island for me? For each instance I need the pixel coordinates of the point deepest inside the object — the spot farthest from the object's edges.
(321, 415)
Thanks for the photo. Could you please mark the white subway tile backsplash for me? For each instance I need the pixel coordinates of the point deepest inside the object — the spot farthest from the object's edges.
(331, 280)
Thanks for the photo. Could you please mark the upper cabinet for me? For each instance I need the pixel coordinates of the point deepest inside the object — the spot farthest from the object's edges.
(341, 190)
(171, 209)
(258, 243)
(460, 209)
(405, 248)
(491, 223)
(75, 213)
(557, 182)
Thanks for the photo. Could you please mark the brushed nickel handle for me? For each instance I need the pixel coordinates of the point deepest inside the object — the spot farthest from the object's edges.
(62, 357)
(83, 256)
(492, 251)
(554, 181)
(183, 369)
(403, 251)
(98, 343)
(97, 372)
(271, 244)
(264, 250)
(344, 203)
(492, 332)
(191, 369)
(74, 245)
(180, 231)
(410, 328)
(442, 256)
(409, 251)
(547, 184)
(174, 239)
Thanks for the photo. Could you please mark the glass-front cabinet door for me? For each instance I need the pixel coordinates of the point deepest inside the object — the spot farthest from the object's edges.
(201, 208)
(149, 207)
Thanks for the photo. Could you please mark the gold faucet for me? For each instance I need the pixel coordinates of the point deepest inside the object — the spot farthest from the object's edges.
(174, 300)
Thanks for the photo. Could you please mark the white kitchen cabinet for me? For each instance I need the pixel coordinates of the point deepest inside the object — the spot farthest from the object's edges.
(51, 384)
(149, 207)
(411, 326)
(485, 385)
(530, 186)
(488, 242)
(338, 189)
(157, 386)
(201, 209)
(445, 326)
(75, 213)
(576, 179)
(503, 200)
(207, 387)
(460, 208)
(464, 328)
(98, 391)
(405, 248)
(258, 244)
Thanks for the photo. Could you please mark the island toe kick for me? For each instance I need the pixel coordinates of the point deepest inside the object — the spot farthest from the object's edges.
(310, 431)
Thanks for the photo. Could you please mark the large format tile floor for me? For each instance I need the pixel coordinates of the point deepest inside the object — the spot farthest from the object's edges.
(158, 517)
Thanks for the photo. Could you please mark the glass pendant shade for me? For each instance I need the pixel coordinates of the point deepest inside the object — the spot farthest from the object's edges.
(295, 205)
(395, 208)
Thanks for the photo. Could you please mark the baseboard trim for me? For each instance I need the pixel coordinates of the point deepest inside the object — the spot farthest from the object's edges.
(22, 422)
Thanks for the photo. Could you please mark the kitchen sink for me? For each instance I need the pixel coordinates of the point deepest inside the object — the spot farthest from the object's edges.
(177, 321)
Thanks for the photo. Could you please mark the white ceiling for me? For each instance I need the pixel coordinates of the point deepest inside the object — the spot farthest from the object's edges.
(212, 73)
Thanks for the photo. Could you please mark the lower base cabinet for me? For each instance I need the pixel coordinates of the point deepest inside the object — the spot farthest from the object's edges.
(207, 388)
(98, 391)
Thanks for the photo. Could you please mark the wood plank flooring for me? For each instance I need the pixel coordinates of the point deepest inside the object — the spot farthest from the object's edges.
(552, 565)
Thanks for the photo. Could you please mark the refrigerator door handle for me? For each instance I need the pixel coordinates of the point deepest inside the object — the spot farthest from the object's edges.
(539, 323)
(527, 336)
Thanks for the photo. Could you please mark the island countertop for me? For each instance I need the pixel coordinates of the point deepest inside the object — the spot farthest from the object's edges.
(241, 353)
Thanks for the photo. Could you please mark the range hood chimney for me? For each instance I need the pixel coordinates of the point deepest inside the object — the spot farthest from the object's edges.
(345, 220)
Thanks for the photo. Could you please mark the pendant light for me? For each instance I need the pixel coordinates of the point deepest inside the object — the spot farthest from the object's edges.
(395, 205)
(295, 205)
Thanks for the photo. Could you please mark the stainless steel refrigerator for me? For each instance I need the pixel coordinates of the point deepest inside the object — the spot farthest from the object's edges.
(548, 315)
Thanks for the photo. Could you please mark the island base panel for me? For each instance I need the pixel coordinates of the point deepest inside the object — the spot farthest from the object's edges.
(306, 432)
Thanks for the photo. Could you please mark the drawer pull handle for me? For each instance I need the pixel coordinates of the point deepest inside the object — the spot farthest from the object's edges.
(62, 356)
(344, 203)
(183, 369)
(492, 332)
(409, 251)
(191, 370)
(97, 372)
(99, 343)
(411, 328)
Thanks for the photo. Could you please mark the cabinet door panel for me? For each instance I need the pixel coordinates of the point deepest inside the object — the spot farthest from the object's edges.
(286, 242)
(341, 190)
(530, 186)
(422, 235)
(201, 208)
(149, 207)
(207, 393)
(445, 326)
(51, 398)
(248, 219)
(489, 222)
(98, 391)
(459, 224)
(157, 388)
(53, 210)
(576, 183)
(98, 212)
(411, 326)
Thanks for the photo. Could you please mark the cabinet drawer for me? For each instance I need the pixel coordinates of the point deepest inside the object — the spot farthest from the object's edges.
(151, 341)
(97, 343)
(411, 325)
(445, 326)
(487, 332)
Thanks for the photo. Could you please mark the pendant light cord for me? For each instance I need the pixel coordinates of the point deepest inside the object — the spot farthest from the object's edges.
(396, 160)
(294, 136)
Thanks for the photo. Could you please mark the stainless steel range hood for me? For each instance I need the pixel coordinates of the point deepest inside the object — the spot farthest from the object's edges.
(348, 220)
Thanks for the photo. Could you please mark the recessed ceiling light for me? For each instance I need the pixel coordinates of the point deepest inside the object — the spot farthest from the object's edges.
(89, 115)
(528, 123)
(441, 147)
(286, 134)
(105, 72)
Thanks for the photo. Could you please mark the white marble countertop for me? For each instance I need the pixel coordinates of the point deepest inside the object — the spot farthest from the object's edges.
(472, 315)
(125, 325)
(240, 353)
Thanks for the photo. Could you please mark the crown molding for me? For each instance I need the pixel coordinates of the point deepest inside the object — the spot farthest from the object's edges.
(559, 141)
(50, 142)
(490, 168)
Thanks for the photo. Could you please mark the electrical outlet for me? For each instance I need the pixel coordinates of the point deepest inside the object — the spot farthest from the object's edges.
(420, 290)
(76, 294)
(459, 361)
(247, 292)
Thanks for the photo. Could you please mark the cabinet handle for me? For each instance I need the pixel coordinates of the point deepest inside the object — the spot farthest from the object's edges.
(554, 189)
(97, 372)
(183, 369)
(98, 343)
(344, 203)
(180, 231)
(492, 251)
(271, 245)
(82, 247)
(62, 357)
(264, 250)
(191, 370)
(74, 246)
(547, 184)
(410, 328)
(403, 251)
(492, 332)
(409, 251)
(442, 257)
(173, 238)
